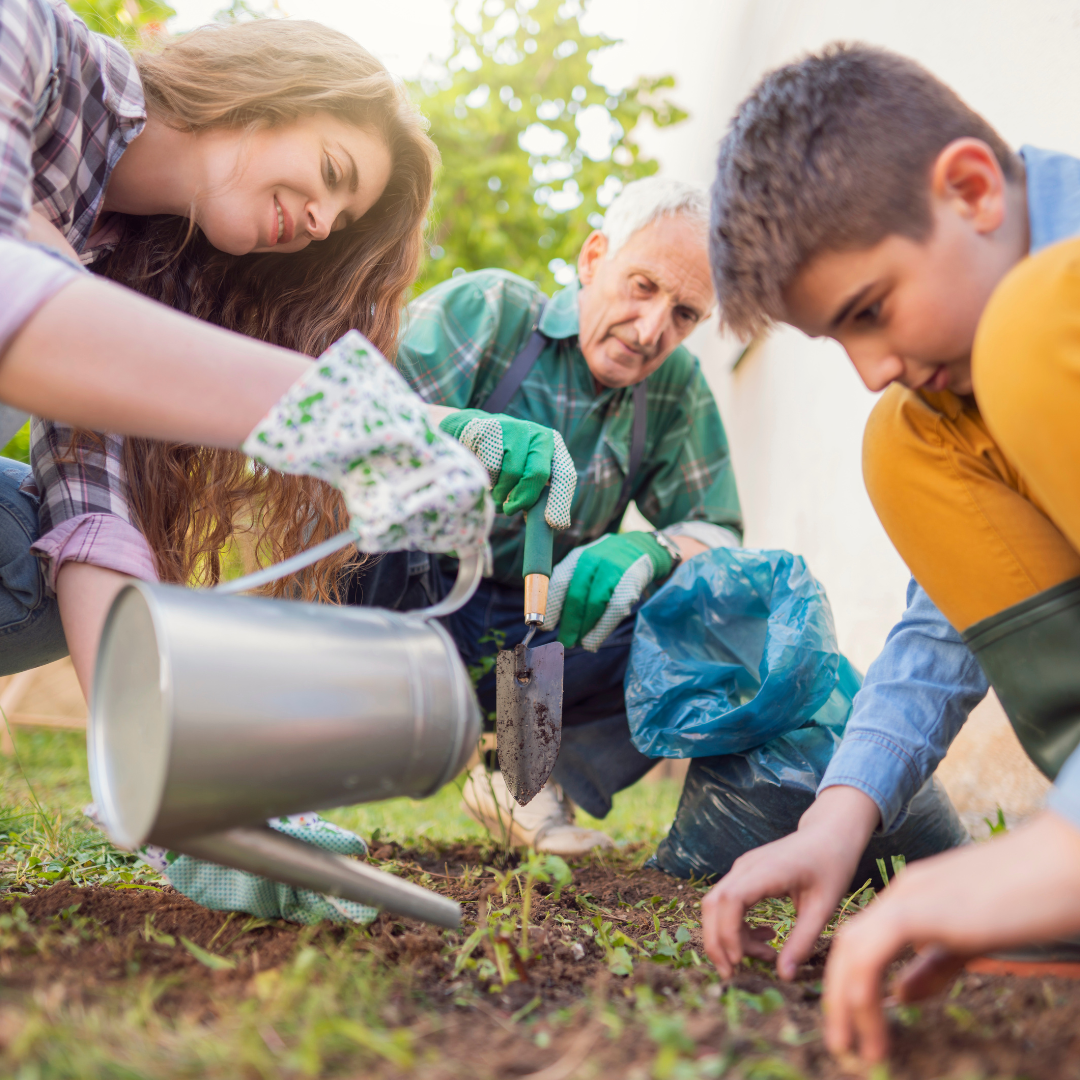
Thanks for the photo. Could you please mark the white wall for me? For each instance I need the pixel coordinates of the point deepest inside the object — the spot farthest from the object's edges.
(795, 410)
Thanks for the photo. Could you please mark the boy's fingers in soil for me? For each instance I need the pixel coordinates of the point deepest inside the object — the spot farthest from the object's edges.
(756, 943)
(813, 915)
(929, 973)
(724, 909)
(722, 925)
(854, 975)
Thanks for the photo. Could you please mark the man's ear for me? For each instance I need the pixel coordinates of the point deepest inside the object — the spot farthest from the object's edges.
(592, 251)
(967, 175)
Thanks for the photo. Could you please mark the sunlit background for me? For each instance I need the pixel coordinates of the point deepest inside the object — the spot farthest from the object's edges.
(528, 169)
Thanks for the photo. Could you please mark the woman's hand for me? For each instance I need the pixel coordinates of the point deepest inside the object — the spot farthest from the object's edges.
(1014, 890)
(352, 421)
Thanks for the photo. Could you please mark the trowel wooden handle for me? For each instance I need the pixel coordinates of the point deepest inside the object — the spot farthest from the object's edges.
(536, 590)
(539, 546)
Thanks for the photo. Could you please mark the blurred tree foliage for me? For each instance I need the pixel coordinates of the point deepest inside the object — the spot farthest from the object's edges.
(134, 22)
(532, 147)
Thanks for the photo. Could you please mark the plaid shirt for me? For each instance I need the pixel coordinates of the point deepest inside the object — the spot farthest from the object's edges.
(462, 335)
(70, 102)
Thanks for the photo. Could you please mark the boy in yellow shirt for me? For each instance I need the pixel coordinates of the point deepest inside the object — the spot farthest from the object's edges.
(859, 198)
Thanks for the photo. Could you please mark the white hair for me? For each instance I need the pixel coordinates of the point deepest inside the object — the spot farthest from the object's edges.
(642, 202)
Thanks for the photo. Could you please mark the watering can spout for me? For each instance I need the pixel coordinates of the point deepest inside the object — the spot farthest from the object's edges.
(212, 714)
(262, 851)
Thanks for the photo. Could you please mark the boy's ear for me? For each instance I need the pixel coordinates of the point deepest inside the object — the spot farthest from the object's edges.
(967, 175)
(592, 251)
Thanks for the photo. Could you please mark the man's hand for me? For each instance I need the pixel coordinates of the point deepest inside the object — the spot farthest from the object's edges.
(593, 589)
(522, 458)
(813, 865)
(1014, 890)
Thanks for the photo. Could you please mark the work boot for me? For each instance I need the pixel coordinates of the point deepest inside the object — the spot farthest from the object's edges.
(1029, 653)
(546, 824)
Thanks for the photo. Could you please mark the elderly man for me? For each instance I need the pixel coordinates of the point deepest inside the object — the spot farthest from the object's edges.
(601, 363)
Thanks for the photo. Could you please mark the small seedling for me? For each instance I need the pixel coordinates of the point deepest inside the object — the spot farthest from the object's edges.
(615, 944)
(211, 960)
(152, 934)
(898, 864)
(666, 950)
(997, 827)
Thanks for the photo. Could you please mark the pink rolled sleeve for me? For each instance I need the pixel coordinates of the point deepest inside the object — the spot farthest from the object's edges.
(29, 276)
(99, 539)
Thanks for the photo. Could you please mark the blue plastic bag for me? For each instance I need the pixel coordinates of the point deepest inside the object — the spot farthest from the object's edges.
(737, 649)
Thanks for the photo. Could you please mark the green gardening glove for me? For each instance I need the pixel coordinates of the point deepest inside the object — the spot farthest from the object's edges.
(521, 458)
(593, 589)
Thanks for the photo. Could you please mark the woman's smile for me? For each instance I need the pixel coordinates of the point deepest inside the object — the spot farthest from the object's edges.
(283, 228)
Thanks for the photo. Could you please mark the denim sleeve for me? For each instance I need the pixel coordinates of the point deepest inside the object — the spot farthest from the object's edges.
(916, 697)
(1064, 797)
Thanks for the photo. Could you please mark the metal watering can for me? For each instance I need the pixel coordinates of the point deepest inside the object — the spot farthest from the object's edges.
(211, 713)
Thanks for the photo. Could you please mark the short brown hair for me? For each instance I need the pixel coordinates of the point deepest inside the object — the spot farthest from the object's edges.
(831, 153)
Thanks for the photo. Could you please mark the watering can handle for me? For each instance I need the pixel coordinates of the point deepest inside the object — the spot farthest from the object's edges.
(470, 572)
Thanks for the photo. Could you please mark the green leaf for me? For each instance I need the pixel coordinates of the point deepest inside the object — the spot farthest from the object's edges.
(395, 1048)
(468, 948)
(211, 960)
(134, 22)
(619, 962)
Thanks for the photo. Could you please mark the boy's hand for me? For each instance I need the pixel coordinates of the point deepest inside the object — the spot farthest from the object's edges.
(1018, 889)
(814, 866)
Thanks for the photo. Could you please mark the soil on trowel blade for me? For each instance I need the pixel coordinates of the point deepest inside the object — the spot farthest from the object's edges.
(565, 1011)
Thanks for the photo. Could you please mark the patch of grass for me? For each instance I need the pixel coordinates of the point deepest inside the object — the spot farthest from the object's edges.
(640, 815)
(306, 1018)
(390, 1002)
(45, 837)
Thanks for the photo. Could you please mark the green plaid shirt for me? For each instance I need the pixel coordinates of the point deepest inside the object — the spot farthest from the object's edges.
(462, 335)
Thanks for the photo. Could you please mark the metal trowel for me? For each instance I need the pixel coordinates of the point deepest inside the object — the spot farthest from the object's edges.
(529, 682)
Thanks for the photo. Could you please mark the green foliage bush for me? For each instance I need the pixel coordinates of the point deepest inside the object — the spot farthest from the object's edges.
(519, 188)
(134, 22)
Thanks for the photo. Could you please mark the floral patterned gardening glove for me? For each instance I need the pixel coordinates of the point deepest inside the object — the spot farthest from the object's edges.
(521, 458)
(352, 421)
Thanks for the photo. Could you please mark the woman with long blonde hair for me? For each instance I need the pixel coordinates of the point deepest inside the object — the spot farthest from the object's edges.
(268, 177)
(269, 143)
(261, 77)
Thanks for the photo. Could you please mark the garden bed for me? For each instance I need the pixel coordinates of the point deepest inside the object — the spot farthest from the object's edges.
(609, 981)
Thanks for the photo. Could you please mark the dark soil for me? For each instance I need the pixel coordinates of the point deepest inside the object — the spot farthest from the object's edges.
(576, 1017)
